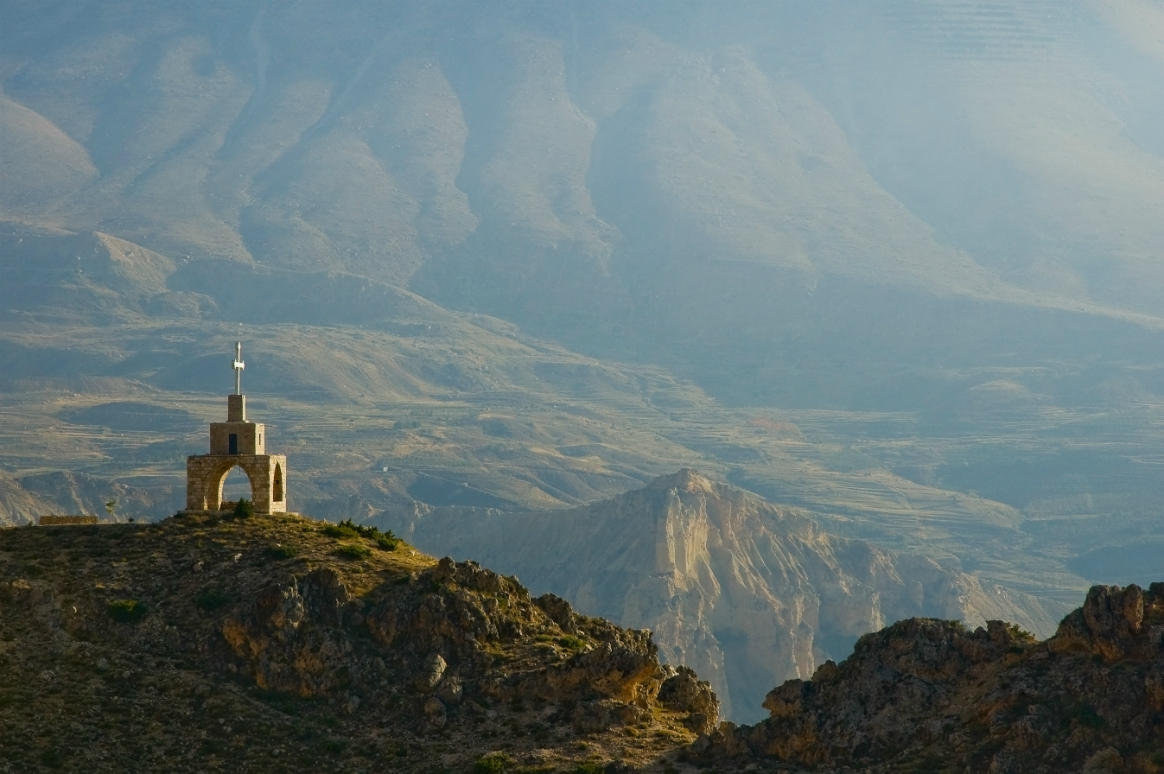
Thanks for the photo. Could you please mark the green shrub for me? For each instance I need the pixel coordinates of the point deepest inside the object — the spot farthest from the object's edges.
(354, 551)
(571, 642)
(282, 552)
(345, 529)
(244, 509)
(493, 763)
(212, 599)
(590, 767)
(385, 541)
(127, 610)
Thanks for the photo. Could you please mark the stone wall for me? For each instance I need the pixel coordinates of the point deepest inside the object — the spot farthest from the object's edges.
(205, 474)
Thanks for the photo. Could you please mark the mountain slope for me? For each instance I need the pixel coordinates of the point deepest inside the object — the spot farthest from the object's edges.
(745, 592)
(931, 695)
(197, 643)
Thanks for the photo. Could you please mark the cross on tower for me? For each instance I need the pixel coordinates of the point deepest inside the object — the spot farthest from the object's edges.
(239, 365)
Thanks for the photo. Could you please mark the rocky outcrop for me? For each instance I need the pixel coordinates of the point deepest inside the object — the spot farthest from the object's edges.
(1090, 698)
(443, 629)
(200, 644)
(1115, 624)
(745, 592)
(287, 638)
(685, 692)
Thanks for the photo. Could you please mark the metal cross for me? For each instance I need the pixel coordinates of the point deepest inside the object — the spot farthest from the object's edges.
(239, 365)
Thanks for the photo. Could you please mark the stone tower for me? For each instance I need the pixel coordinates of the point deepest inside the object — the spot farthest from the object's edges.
(237, 443)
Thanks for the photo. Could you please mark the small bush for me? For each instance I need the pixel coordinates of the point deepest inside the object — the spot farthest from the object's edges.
(570, 642)
(1085, 715)
(385, 541)
(127, 610)
(590, 767)
(244, 509)
(354, 551)
(493, 763)
(282, 552)
(345, 529)
(212, 599)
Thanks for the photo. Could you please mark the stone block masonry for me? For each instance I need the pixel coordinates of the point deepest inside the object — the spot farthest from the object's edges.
(205, 474)
(242, 444)
(55, 521)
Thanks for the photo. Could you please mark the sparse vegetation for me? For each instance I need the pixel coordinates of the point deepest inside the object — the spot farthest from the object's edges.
(127, 610)
(281, 552)
(353, 551)
(174, 668)
(1021, 634)
(347, 529)
(212, 599)
(244, 509)
(493, 763)
(589, 767)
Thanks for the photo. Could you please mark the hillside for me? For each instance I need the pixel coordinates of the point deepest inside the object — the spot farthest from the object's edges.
(745, 592)
(928, 695)
(199, 644)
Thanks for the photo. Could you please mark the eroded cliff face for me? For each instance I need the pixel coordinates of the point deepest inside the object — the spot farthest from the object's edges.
(931, 695)
(747, 593)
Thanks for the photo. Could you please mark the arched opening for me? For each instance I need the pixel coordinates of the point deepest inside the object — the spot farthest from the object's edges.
(277, 484)
(232, 485)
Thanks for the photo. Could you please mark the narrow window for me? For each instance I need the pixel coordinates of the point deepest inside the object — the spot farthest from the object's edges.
(278, 487)
(233, 444)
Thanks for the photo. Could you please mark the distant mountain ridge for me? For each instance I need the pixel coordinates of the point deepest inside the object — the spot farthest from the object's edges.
(745, 592)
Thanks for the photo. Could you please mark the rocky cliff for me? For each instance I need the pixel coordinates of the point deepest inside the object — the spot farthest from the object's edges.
(931, 695)
(283, 644)
(746, 592)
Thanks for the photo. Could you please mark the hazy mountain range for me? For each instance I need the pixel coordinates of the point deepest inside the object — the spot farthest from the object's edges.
(894, 265)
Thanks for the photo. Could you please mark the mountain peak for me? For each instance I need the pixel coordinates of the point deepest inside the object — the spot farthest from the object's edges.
(686, 480)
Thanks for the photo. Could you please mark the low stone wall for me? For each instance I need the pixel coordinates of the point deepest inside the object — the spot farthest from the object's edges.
(53, 521)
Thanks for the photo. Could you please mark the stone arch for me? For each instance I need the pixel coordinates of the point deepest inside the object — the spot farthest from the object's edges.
(276, 484)
(206, 473)
(217, 480)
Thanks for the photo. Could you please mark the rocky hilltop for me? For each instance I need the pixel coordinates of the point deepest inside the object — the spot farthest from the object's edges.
(931, 695)
(285, 644)
(746, 592)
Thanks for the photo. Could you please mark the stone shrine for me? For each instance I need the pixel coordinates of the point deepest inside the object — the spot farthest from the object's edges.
(236, 443)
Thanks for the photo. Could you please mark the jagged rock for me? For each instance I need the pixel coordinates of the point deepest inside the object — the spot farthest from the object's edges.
(1088, 699)
(266, 635)
(694, 560)
(685, 692)
(559, 611)
(1111, 623)
(488, 660)
(450, 691)
(434, 670)
(435, 712)
(624, 668)
(598, 716)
